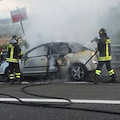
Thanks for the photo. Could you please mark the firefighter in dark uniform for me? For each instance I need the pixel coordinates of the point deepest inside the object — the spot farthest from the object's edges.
(14, 53)
(105, 57)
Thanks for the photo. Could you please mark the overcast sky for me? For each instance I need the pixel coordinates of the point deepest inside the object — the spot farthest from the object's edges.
(67, 20)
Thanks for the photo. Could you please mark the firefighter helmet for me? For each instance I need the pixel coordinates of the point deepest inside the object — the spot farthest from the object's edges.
(15, 37)
(102, 31)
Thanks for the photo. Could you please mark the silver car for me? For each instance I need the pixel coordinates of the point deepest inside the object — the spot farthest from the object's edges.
(71, 60)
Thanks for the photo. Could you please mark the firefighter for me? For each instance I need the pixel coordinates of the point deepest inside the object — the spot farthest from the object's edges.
(1, 55)
(105, 57)
(14, 53)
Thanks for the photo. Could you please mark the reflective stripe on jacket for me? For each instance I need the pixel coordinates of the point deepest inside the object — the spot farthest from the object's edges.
(104, 49)
(13, 52)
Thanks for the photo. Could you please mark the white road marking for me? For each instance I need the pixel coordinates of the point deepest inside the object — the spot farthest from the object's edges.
(74, 101)
(81, 82)
(24, 83)
(64, 82)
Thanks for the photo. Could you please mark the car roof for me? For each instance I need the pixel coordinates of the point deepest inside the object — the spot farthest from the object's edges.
(68, 43)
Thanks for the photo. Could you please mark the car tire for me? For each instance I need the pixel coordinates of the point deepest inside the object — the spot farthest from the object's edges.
(77, 72)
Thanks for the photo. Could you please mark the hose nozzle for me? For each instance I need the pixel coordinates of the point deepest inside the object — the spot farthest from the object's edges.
(95, 40)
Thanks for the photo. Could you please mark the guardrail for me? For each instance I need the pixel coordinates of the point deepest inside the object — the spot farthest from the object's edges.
(115, 49)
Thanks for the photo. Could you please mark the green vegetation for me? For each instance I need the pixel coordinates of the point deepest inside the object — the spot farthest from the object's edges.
(4, 46)
(23, 43)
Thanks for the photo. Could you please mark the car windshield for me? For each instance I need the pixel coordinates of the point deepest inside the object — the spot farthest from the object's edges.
(76, 47)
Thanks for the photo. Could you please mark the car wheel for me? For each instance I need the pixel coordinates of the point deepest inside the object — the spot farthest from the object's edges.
(77, 71)
(7, 72)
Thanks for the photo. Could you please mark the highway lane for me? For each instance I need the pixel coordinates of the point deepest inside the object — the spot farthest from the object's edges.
(89, 101)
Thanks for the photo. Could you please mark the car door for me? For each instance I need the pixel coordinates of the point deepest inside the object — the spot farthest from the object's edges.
(36, 61)
(60, 50)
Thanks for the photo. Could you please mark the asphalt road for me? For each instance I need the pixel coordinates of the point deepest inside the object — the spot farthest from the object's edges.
(75, 101)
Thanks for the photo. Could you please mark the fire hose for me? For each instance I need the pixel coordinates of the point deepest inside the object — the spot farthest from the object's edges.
(65, 106)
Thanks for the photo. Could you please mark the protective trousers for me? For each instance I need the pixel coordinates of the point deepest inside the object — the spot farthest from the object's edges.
(108, 66)
(99, 67)
(15, 73)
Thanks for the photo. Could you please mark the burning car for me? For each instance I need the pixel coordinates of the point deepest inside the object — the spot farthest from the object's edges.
(68, 59)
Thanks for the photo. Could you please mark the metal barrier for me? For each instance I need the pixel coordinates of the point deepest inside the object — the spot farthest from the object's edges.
(115, 49)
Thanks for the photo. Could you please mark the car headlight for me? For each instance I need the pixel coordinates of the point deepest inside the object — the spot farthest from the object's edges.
(94, 58)
(95, 62)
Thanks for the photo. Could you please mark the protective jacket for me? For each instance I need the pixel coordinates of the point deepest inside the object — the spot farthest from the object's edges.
(104, 48)
(1, 55)
(14, 52)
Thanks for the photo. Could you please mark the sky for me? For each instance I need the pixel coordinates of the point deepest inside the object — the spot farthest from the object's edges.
(61, 20)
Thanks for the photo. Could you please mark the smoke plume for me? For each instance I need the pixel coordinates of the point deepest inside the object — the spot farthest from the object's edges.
(67, 20)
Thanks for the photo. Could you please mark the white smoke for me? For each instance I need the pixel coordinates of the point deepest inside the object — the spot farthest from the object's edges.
(65, 20)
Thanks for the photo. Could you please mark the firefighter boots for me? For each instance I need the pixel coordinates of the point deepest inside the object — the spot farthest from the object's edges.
(18, 82)
(96, 78)
(113, 79)
(12, 82)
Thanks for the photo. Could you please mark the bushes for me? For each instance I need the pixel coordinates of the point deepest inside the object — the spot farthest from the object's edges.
(23, 43)
(4, 46)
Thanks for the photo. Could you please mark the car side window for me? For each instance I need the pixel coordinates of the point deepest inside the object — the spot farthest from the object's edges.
(59, 49)
(42, 50)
